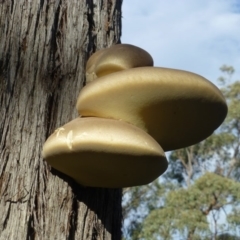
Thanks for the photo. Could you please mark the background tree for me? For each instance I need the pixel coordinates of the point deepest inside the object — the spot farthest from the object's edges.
(185, 211)
(44, 46)
(205, 187)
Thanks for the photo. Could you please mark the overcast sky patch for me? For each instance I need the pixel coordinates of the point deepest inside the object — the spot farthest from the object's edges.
(197, 36)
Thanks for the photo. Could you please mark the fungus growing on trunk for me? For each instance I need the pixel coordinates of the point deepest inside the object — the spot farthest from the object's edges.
(130, 115)
(175, 107)
(116, 58)
(100, 152)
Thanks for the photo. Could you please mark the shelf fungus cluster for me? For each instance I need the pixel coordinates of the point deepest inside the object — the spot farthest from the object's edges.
(131, 113)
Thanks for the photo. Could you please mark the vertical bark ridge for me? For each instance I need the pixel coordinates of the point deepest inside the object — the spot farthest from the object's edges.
(43, 49)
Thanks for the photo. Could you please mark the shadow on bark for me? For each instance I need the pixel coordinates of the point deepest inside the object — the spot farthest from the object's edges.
(101, 201)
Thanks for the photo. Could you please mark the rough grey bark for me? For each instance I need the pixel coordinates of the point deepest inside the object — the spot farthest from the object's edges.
(44, 45)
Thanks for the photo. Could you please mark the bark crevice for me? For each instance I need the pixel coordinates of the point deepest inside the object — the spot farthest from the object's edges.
(5, 221)
(73, 219)
(30, 228)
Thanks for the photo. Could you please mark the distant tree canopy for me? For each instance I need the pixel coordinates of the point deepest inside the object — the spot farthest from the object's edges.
(200, 195)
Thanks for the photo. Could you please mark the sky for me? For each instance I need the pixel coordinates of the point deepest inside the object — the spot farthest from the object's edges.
(194, 35)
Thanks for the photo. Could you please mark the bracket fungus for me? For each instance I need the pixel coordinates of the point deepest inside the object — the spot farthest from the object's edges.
(177, 108)
(102, 152)
(130, 115)
(116, 58)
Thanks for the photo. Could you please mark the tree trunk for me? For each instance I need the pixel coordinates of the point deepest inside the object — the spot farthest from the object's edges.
(44, 45)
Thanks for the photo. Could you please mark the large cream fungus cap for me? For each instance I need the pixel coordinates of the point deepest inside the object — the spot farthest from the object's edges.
(177, 108)
(105, 153)
(116, 58)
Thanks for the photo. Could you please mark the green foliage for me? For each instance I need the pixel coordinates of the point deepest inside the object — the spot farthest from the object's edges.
(186, 210)
(226, 236)
(234, 218)
(228, 71)
(141, 200)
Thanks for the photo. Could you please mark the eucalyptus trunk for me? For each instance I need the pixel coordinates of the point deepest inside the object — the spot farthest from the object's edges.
(44, 45)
